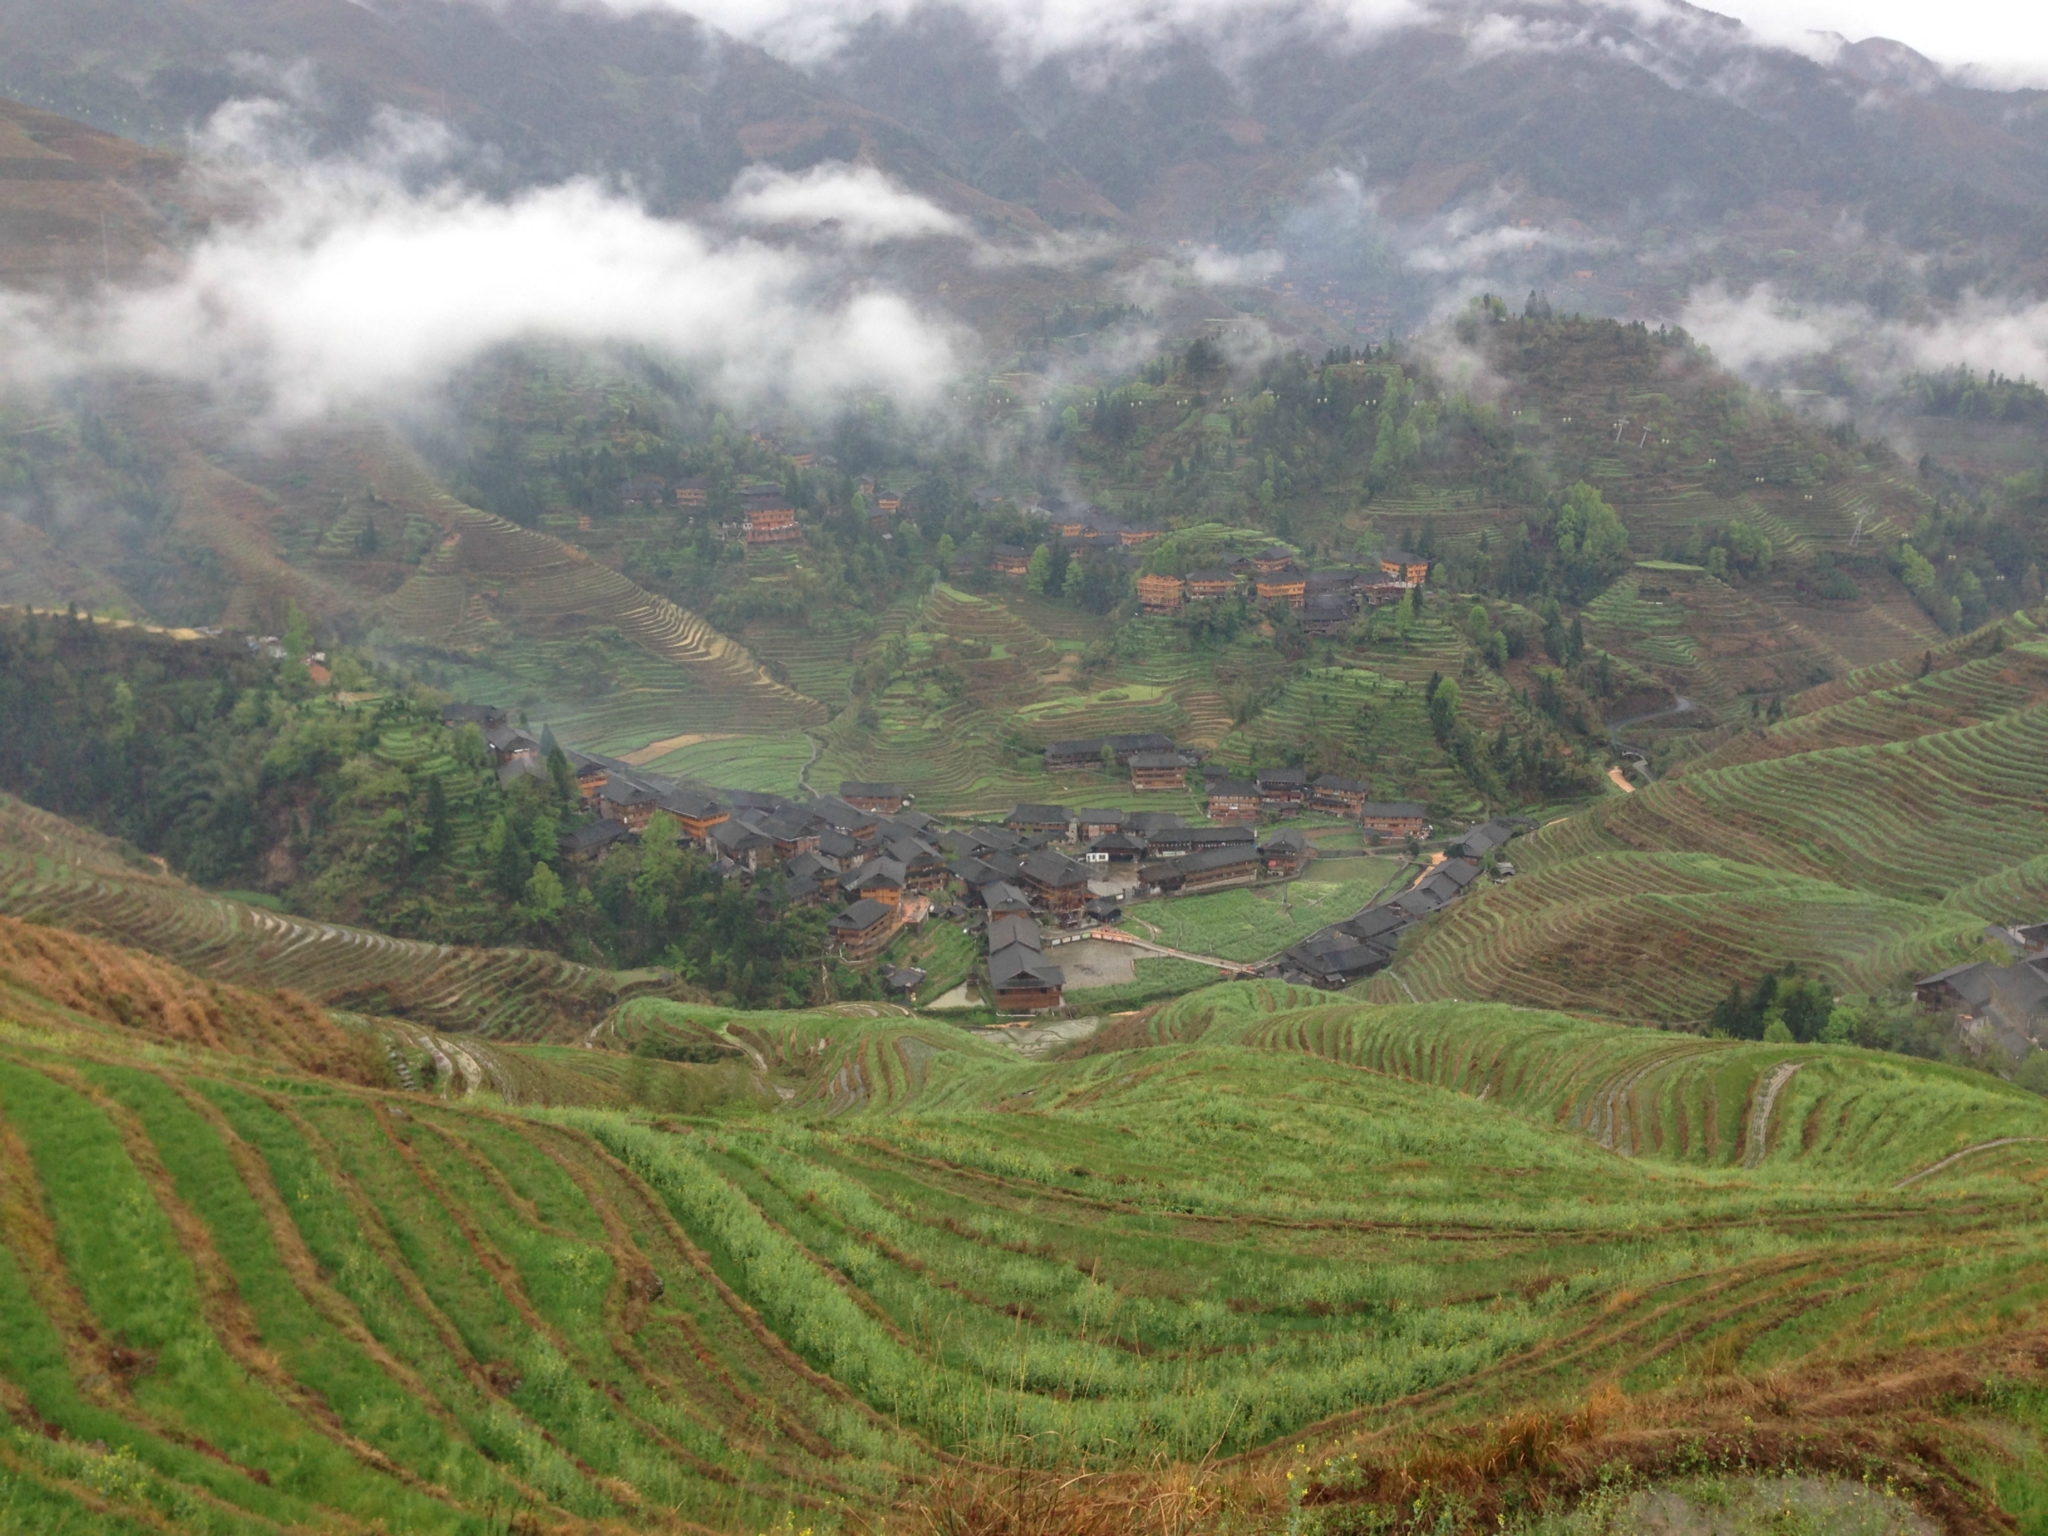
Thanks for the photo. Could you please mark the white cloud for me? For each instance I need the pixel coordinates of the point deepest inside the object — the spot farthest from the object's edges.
(856, 202)
(2002, 39)
(1759, 332)
(1027, 31)
(348, 287)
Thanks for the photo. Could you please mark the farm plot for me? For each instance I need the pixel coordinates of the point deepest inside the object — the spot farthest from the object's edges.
(1660, 937)
(1203, 1231)
(1910, 820)
(53, 873)
(1255, 923)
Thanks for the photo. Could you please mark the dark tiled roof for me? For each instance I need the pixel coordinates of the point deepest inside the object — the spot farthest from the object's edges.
(1044, 867)
(1395, 809)
(861, 916)
(1218, 858)
(1037, 816)
(599, 834)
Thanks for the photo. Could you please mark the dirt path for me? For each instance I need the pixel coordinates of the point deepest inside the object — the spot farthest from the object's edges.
(639, 757)
(1118, 936)
(1956, 1157)
(1758, 1140)
(803, 777)
(1621, 781)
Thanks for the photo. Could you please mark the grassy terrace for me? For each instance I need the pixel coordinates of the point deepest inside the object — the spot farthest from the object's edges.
(1255, 923)
(1254, 1219)
(56, 873)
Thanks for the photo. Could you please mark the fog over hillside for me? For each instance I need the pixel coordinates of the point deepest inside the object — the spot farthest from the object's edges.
(1326, 173)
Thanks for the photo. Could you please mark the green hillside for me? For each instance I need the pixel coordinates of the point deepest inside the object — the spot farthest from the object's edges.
(1255, 1232)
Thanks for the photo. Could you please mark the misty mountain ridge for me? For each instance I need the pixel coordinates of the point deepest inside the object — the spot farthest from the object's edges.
(1613, 157)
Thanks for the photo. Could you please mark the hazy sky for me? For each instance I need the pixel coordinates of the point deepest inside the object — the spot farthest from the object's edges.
(2006, 38)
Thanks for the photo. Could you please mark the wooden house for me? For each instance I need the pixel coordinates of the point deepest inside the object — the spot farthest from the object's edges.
(863, 930)
(1287, 585)
(688, 495)
(1020, 977)
(482, 716)
(634, 804)
(1055, 882)
(868, 795)
(879, 879)
(794, 832)
(1161, 594)
(772, 525)
(1030, 819)
(1130, 538)
(1209, 585)
(1092, 824)
(1158, 770)
(511, 744)
(1086, 752)
(746, 846)
(1282, 790)
(1326, 613)
(1215, 869)
(842, 817)
(1011, 560)
(1409, 570)
(1233, 800)
(1272, 559)
(1338, 795)
(696, 813)
(1115, 848)
(1284, 853)
(1397, 818)
(589, 844)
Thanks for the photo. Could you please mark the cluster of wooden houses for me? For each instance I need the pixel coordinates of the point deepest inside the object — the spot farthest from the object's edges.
(2009, 999)
(1327, 599)
(1365, 942)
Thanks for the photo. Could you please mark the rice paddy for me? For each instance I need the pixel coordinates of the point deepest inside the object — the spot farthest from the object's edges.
(1254, 1220)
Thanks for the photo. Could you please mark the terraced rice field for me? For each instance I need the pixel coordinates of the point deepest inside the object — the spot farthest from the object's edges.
(1660, 936)
(1910, 820)
(52, 872)
(490, 572)
(1866, 838)
(875, 1258)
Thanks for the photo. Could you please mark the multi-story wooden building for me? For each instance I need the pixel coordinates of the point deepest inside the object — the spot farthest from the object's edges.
(1161, 594)
(863, 930)
(1055, 883)
(1233, 800)
(1396, 818)
(1335, 793)
(1287, 585)
(870, 795)
(1282, 790)
(1208, 585)
(1399, 565)
(1020, 978)
(695, 813)
(1158, 770)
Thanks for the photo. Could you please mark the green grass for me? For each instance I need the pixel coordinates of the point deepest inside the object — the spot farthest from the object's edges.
(1157, 977)
(1255, 923)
